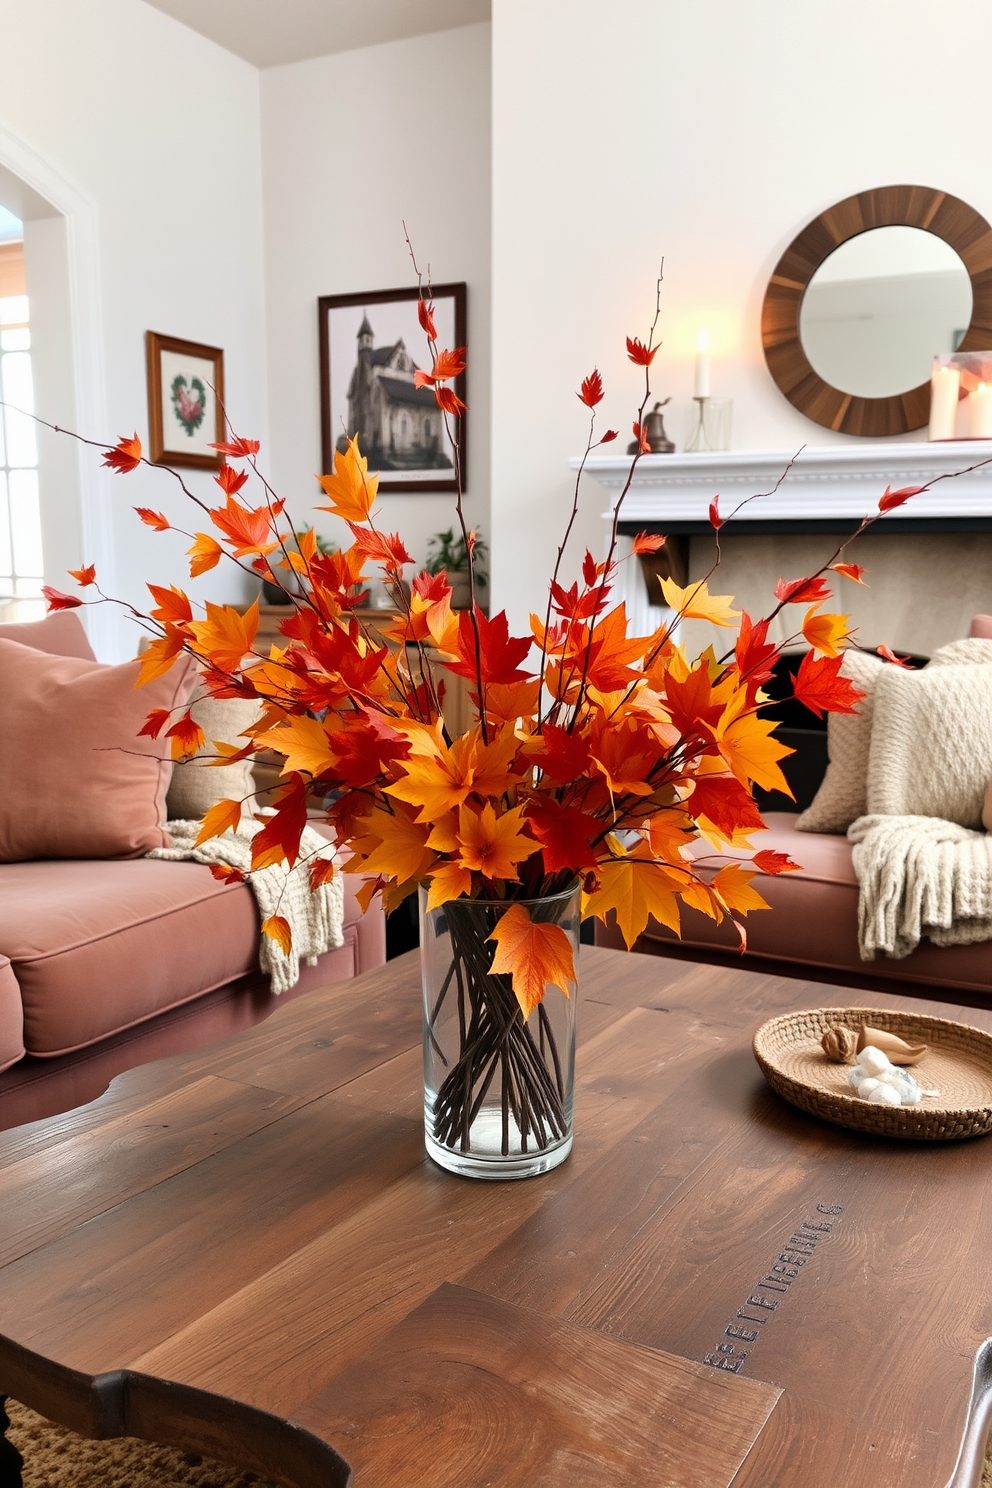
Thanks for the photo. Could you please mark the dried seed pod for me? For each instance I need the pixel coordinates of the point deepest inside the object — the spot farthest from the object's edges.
(895, 1048)
(839, 1043)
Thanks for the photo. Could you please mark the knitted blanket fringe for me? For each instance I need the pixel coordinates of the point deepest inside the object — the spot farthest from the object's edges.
(315, 919)
(920, 876)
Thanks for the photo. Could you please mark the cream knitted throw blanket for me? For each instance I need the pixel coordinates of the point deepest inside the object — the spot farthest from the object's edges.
(316, 919)
(920, 876)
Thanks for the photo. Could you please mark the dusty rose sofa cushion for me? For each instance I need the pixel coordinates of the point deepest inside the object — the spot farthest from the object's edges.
(60, 634)
(99, 947)
(814, 920)
(76, 780)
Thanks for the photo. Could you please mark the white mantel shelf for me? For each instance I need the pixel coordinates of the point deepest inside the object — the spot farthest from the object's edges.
(839, 484)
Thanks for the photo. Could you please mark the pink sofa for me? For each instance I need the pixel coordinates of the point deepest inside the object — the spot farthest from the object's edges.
(107, 964)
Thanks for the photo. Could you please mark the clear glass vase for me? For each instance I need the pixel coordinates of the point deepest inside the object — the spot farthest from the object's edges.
(498, 1089)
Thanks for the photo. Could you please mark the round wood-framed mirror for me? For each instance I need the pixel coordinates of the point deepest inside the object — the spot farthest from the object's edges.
(783, 333)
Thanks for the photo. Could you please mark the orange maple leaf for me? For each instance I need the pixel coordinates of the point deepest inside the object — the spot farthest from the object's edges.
(351, 489)
(158, 657)
(304, 743)
(84, 576)
(648, 542)
(819, 684)
(171, 604)
(246, 529)
(770, 861)
(218, 819)
(152, 518)
(395, 846)
(186, 735)
(320, 871)
(535, 956)
(125, 456)
(637, 889)
(733, 887)
(155, 723)
(238, 448)
(277, 929)
(493, 845)
(447, 881)
(850, 571)
(224, 637)
(205, 554)
(825, 633)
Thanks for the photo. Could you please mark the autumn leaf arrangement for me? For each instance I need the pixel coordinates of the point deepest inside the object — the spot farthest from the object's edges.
(597, 757)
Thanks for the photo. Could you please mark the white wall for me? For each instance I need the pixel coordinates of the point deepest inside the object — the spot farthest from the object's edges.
(156, 131)
(709, 134)
(355, 144)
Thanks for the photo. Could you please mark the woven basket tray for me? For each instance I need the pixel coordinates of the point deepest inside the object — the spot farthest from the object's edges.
(957, 1064)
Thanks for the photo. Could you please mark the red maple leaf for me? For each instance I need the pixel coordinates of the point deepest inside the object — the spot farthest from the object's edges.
(226, 874)
(230, 480)
(770, 861)
(152, 519)
(125, 456)
(725, 802)
(279, 839)
(609, 437)
(59, 601)
(320, 871)
(563, 756)
(640, 355)
(891, 499)
(154, 723)
(819, 685)
(802, 591)
(591, 391)
(381, 547)
(446, 399)
(425, 314)
(500, 653)
(431, 586)
(648, 542)
(563, 833)
(642, 439)
(237, 448)
(754, 651)
(716, 520)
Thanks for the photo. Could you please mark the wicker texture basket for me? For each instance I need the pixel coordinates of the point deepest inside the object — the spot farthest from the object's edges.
(958, 1065)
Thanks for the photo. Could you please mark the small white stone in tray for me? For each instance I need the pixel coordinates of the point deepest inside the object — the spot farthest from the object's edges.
(882, 1095)
(867, 1087)
(872, 1061)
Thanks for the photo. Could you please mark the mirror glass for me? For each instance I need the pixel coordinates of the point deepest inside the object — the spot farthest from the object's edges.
(881, 307)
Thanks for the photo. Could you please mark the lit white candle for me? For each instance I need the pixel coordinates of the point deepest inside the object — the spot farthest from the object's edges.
(979, 412)
(944, 386)
(702, 386)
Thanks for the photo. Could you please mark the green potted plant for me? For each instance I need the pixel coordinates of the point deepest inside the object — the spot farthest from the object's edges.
(448, 554)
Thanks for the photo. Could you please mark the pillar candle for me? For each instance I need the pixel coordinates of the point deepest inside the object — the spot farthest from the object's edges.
(702, 385)
(979, 412)
(944, 385)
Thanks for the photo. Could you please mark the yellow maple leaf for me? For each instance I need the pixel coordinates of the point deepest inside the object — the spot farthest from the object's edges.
(205, 554)
(216, 821)
(733, 885)
(825, 633)
(351, 489)
(697, 603)
(277, 929)
(437, 783)
(493, 845)
(535, 956)
(637, 889)
(744, 742)
(225, 636)
(303, 742)
(396, 846)
(447, 881)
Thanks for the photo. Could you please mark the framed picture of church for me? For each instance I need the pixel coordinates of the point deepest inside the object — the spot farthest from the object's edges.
(371, 347)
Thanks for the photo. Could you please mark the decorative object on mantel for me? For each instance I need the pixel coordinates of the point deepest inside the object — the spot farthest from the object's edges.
(957, 1064)
(709, 425)
(905, 408)
(654, 429)
(961, 396)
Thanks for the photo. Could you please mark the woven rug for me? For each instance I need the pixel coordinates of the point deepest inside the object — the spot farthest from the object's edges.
(57, 1458)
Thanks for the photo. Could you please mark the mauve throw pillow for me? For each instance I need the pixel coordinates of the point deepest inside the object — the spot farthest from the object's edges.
(60, 634)
(76, 781)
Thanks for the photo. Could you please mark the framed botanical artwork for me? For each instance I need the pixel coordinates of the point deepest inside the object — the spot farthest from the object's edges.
(371, 346)
(185, 401)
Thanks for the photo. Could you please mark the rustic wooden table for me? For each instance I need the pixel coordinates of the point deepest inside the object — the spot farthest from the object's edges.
(245, 1252)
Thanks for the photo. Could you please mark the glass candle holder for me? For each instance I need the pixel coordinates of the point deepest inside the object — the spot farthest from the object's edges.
(961, 396)
(708, 428)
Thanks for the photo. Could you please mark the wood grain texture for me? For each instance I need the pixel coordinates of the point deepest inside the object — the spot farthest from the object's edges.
(937, 212)
(502, 1395)
(242, 1244)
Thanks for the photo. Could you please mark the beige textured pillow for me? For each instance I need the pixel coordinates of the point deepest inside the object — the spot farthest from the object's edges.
(843, 795)
(931, 743)
(969, 652)
(196, 787)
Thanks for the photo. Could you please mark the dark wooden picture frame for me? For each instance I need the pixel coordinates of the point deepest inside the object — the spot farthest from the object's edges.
(165, 430)
(413, 415)
(947, 217)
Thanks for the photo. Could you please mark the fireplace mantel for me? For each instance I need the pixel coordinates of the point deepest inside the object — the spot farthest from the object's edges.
(825, 489)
